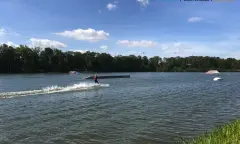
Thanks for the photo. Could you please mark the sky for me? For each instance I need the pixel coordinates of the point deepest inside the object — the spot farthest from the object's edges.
(162, 28)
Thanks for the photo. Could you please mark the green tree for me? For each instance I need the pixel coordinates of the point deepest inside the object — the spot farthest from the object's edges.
(7, 59)
(24, 59)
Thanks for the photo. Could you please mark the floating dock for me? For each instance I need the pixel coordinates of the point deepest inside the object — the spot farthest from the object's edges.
(109, 77)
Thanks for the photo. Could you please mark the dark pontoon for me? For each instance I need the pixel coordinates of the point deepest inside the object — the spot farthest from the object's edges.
(109, 76)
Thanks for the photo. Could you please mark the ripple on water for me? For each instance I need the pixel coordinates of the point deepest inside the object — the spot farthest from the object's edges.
(148, 108)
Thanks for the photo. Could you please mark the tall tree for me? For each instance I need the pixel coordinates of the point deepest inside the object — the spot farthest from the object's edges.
(24, 59)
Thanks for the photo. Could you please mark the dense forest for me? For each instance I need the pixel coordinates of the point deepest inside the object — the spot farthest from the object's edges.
(23, 59)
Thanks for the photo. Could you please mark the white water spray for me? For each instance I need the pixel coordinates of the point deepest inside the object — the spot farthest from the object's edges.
(53, 89)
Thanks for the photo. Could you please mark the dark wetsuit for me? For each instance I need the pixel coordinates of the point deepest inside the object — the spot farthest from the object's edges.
(95, 79)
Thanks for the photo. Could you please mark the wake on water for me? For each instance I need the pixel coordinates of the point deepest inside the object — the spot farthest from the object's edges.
(53, 89)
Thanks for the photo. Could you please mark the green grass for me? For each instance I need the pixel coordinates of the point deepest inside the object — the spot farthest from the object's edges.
(225, 134)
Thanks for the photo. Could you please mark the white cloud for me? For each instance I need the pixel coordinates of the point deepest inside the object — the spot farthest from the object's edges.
(2, 31)
(220, 49)
(89, 34)
(114, 54)
(9, 43)
(14, 34)
(111, 6)
(104, 47)
(194, 19)
(12, 44)
(142, 43)
(81, 51)
(175, 47)
(7, 31)
(143, 2)
(235, 54)
(43, 43)
(134, 53)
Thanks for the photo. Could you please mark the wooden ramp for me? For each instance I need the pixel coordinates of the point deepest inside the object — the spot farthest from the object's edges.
(109, 77)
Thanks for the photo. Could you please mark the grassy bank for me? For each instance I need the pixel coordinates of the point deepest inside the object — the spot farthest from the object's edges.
(225, 134)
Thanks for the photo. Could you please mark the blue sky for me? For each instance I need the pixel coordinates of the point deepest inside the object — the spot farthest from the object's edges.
(150, 27)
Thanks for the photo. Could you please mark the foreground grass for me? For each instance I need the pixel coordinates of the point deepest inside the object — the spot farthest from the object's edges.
(226, 134)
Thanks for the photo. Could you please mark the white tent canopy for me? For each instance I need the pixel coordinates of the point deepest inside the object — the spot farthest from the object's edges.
(212, 72)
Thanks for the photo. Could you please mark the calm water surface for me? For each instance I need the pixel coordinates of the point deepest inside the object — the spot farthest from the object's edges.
(146, 108)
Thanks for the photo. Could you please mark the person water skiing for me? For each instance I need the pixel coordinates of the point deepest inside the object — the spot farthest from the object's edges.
(95, 79)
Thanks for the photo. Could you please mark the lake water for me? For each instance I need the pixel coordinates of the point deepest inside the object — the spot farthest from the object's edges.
(148, 108)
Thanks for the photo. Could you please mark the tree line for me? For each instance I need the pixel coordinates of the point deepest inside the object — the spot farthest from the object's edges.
(24, 59)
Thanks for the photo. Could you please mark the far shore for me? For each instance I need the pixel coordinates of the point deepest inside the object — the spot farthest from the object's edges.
(110, 72)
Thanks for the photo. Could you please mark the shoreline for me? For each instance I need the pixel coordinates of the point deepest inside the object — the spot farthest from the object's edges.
(224, 133)
(113, 72)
